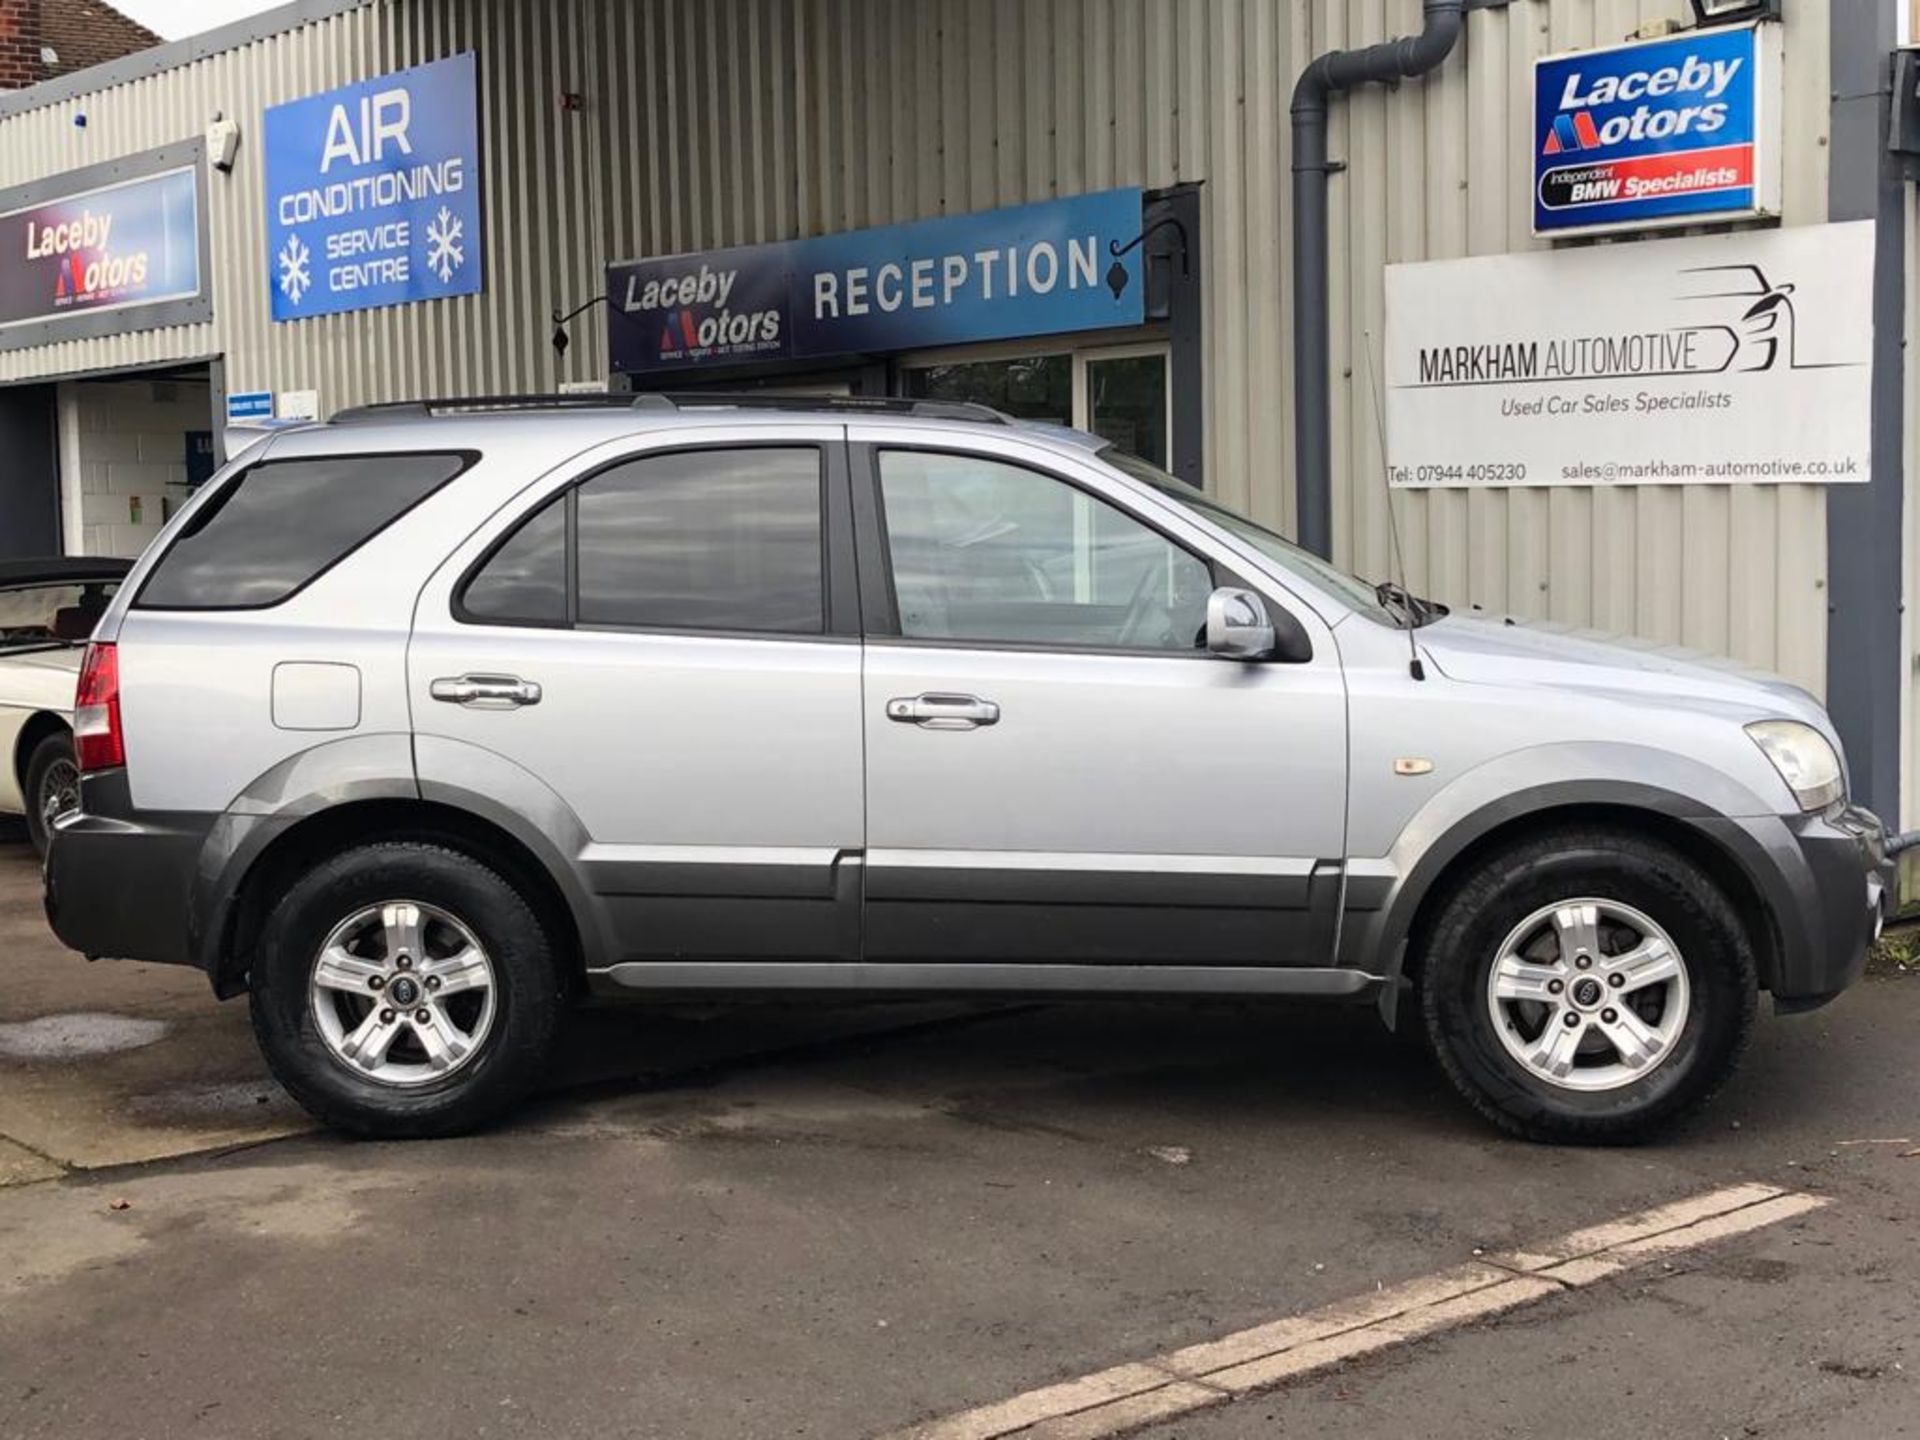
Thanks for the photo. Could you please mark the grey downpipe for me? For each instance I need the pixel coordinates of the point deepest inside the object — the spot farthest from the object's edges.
(1336, 70)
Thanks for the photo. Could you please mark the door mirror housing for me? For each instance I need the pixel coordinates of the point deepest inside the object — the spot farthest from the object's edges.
(1241, 626)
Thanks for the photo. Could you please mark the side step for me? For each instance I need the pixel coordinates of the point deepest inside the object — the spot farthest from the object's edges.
(950, 979)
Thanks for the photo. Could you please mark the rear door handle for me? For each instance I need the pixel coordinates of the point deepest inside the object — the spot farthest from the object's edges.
(486, 692)
(935, 711)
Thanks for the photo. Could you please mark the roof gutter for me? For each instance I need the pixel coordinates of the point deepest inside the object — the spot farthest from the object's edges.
(1337, 70)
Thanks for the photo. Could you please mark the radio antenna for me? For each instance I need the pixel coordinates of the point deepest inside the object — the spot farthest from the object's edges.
(1414, 667)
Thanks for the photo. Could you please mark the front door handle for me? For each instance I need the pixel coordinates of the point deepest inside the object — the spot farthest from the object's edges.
(486, 692)
(943, 712)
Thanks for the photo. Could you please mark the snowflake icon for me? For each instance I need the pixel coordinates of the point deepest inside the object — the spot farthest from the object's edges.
(444, 252)
(295, 278)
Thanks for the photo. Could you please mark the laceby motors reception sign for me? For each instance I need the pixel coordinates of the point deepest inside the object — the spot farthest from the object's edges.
(1660, 132)
(1719, 359)
(115, 247)
(1042, 269)
(373, 192)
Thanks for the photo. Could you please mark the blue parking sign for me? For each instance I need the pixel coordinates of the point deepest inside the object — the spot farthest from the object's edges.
(373, 192)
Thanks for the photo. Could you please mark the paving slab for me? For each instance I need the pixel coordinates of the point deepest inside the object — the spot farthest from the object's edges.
(114, 1063)
(20, 1166)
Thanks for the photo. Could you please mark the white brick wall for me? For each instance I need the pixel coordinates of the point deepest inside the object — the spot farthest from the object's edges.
(124, 451)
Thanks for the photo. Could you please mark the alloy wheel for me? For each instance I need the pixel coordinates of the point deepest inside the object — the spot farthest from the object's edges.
(1588, 994)
(403, 993)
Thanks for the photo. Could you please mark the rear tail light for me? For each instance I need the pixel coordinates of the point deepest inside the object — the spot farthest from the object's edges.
(97, 741)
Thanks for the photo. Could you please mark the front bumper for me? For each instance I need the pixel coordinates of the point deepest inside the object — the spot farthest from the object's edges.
(119, 885)
(1825, 880)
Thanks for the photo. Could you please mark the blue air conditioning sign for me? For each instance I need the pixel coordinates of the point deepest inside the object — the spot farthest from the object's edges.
(1060, 265)
(1660, 132)
(373, 193)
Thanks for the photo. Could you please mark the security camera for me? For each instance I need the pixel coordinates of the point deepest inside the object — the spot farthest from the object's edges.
(223, 138)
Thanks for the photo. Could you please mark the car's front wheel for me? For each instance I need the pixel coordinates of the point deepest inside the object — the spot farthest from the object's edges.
(1587, 985)
(52, 787)
(402, 989)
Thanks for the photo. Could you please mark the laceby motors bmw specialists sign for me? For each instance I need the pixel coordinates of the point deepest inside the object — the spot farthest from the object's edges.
(116, 247)
(1042, 269)
(1717, 359)
(1659, 132)
(373, 192)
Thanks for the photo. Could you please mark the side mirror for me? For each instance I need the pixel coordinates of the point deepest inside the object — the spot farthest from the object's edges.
(1238, 625)
(1241, 627)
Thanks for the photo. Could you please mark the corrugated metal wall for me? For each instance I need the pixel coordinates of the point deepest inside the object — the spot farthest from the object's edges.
(735, 121)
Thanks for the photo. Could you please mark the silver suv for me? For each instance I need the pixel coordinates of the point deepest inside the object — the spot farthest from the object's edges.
(418, 724)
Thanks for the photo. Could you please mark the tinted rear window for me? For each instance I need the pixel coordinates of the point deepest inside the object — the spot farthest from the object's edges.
(705, 540)
(283, 523)
(524, 582)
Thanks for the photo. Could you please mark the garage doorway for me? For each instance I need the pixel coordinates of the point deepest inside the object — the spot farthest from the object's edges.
(132, 448)
(30, 478)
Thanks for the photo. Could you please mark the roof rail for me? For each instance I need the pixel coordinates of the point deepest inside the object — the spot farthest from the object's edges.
(843, 404)
(675, 401)
(457, 404)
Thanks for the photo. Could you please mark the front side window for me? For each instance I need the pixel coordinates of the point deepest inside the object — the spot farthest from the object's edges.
(1355, 592)
(281, 524)
(693, 540)
(990, 552)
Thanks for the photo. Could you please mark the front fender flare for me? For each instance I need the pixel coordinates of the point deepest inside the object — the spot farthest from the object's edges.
(1385, 894)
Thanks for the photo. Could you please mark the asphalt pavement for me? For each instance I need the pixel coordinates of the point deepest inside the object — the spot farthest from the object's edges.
(843, 1221)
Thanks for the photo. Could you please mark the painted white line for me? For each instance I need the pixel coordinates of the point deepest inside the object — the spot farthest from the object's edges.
(1633, 1227)
(1126, 1397)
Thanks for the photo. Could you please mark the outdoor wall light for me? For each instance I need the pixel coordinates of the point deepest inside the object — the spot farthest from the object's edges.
(560, 322)
(223, 138)
(1734, 12)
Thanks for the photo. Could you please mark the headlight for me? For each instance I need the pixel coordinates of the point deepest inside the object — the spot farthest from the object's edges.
(1804, 759)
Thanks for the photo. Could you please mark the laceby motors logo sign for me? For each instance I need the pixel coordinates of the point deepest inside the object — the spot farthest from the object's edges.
(704, 313)
(373, 192)
(131, 244)
(1663, 132)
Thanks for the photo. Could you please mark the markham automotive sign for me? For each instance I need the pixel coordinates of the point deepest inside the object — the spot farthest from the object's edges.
(1720, 359)
(1069, 264)
(116, 247)
(1659, 132)
(373, 192)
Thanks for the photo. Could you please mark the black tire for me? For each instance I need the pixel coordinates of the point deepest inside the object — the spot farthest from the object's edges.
(1498, 895)
(529, 991)
(50, 768)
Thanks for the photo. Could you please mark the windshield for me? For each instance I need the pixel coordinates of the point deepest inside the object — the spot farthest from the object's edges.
(1277, 548)
(35, 616)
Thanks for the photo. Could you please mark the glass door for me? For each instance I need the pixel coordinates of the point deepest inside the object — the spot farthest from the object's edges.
(1123, 395)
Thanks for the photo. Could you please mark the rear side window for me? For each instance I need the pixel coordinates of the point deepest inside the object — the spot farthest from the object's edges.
(283, 523)
(705, 540)
(693, 540)
(524, 582)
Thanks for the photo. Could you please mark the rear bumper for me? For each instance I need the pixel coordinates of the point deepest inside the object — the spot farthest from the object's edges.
(119, 885)
(1825, 879)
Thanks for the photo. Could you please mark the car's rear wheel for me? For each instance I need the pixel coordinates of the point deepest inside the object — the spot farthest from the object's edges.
(52, 786)
(1587, 986)
(402, 989)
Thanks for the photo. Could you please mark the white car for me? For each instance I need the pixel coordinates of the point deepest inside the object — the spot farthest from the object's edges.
(47, 610)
